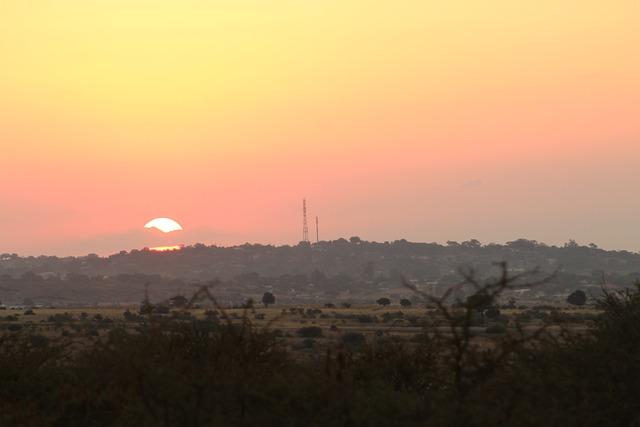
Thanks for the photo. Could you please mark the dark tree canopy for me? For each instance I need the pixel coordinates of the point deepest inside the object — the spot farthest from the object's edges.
(383, 301)
(405, 302)
(577, 298)
(178, 301)
(268, 298)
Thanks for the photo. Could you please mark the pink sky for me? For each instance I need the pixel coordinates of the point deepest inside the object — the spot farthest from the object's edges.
(423, 121)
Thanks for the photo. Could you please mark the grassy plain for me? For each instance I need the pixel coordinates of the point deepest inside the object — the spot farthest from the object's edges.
(302, 329)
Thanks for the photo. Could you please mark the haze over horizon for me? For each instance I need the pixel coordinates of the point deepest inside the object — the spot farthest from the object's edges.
(428, 121)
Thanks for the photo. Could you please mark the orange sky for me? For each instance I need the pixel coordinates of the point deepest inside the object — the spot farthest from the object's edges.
(423, 120)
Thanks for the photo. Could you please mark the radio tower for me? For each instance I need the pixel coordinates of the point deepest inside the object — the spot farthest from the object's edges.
(317, 232)
(305, 227)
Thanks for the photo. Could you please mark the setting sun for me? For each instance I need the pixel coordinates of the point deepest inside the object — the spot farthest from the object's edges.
(166, 225)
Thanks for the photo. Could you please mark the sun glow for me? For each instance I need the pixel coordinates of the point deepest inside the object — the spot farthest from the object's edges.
(166, 225)
(166, 248)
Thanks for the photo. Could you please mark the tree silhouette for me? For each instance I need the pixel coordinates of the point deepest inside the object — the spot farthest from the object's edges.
(268, 298)
(577, 298)
(383, 301)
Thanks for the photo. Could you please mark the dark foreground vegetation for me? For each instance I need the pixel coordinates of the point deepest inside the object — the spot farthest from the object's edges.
(224, 371)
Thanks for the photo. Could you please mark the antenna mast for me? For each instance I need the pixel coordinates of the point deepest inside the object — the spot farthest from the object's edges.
(317, 232)
(305, 227)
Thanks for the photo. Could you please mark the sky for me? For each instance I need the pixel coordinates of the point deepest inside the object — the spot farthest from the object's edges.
(423, 120)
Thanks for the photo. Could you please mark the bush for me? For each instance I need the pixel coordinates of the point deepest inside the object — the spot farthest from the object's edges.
(353, 339)
(578, 298)
(60, 318)
(310, 332)
(169, 372)
(38, 340)
(129, 316)
(386, 317)
(383, 301)
(492, 312)
(14, 327)
(419, 338)
(365, 318)
(161, 309)
(496, 329)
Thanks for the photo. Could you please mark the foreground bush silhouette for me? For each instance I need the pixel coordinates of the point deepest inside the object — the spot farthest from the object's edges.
(217, 372)
(310, 332)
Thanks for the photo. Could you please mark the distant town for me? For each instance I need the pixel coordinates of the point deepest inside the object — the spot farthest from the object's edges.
(344, 270)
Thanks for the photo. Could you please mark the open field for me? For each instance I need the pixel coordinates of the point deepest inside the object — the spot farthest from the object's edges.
(300, 329)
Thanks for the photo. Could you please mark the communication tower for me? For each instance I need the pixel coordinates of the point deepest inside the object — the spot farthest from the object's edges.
(305, 227)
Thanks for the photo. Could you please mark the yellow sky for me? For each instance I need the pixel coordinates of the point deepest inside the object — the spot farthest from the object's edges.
(154, 99)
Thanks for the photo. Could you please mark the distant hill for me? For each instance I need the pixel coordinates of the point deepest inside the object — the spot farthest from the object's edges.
(339, 264)
(354, 257)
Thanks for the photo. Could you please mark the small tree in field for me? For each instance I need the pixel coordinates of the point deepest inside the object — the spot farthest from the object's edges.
(405, 302)
(268, 298)
(383, 301)
(178, 301)
(577, 298)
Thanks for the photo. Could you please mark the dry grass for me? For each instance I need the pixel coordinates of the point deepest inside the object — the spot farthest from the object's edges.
(334, 322)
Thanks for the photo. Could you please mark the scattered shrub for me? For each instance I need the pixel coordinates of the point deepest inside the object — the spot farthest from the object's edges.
(496, 329)
(365, 318)
(310, 332)
(405, 302)
(383, 301)
(14, 327)
(354, 339)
